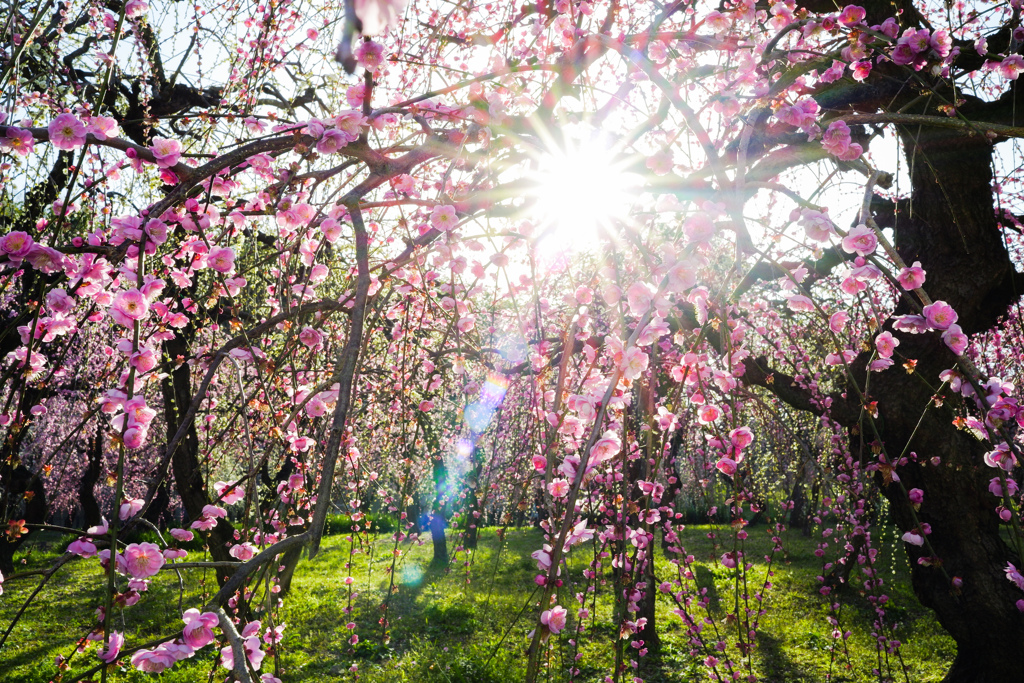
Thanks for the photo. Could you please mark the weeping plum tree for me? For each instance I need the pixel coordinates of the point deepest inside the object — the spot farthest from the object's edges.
(611, 242)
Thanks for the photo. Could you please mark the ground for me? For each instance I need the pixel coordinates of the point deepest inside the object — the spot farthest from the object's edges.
(469, 624)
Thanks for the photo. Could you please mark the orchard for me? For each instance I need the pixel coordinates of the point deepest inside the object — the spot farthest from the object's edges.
(610, 270)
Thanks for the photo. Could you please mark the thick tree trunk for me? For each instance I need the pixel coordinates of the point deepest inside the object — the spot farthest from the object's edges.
(91, 512)
(951, 229)
(438, 523)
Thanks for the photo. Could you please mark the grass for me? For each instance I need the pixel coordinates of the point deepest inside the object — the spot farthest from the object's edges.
(470, 623)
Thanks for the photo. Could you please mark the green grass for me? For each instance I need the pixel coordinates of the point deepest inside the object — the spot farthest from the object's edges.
(470, 623)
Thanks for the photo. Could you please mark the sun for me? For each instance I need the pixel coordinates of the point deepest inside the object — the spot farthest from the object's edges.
(581, 189)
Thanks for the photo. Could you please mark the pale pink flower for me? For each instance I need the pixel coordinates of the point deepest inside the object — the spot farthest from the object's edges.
(911, 278)
(836, 140)
(332, 141)
(198, 631)
(311, 338)
(350, 124)
(253, 653)
(129, 306)
(143, 560)
(634, 363)
(913, 538)
(45, 259)
(102, 127)
(605, 448)
(939, 315)
(708, 414)
(228, 495)
(837, 321)
(444, 217)
(558, 488)
(955, 339)
(243, 551)
(554, 619)
(378, 15)
(221, 259)
(166, 152)
(130, 508)
(83, 547)
(134, 8)
(886, 344)
(699, 228)
(726, 466)
(18, 141)
(861, 240)
(114, 644)
(851, 15)
(66, 132)
(182, 535)
(639, 296)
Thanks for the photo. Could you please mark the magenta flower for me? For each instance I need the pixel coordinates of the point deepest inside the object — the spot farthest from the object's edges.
(726, 466)
(166, 152)
(955, 339)
(243, 551)
(836, 140)
(228, 496)
(708, 414)
(911, 278)
(852, 14)
(143, 560)
(182, 535)
(939, 315)
(886, 344)
(45, 259)
(130, 508)
(16, 245)
(67, 132)
(332, 141)
(102, 127)
(83, 547)
(198, 630)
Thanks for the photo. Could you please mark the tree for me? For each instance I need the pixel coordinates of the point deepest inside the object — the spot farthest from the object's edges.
(261, 261)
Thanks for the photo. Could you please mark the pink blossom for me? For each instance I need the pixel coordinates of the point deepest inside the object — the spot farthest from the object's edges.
(939, 315)
(836, 140)
(166, 152)
(102, 127)
(726, 466)
(143, 560)
(913, 538)
(699, 228)
(605, 448)
(443, 218)
(911, 278)
(182, 535)
(332, 141)
(130, 508)
(851, 15)
(861, 240)
(83, 547)
(558, 488)
(741, 437)
(228, 494)
(114, 644)
(886, 344)
(66, 132)
(198, 631)
(955, 339)
(243, 551)
(16, 245)
(540, 463)
(129, 306)
(709, 413)
(350, 124)
(1013, 574)
(378, 15)
(134, 8)
(18, 141)
(837, 321)
(221, 259)
(45, 259)
(916, 496)
(251, 646)
(554, 619)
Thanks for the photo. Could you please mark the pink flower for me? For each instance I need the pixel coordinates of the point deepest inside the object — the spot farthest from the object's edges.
(558, 488)
(350, 124)
(540, 463)
(166, 152)
(130, 508)
(182, 535)
(83, 547)
(143, 560)
(955, 339)
(836, 140)
(378, 15)
(837, 321)
(221, 259)
(129, 306)
(939, 315)
(726, 466)
(741, 437)
(134, 8)
(605, 448)
(16, 245)
(916, 496)
(708, 414)
(45, 259)
(228, 495)
(102, 127)
(852, 14)
(198, 631)
(554, 619)
(443, 218)
(243, 551)
(18, 141)
(699, 228)
(913, 538)
(860, 239)
(911, 278)
(1013, 574)
(253, 653)
(114, 644)
(332, 141)
(886, 344)
(66, 132)
(730, 560)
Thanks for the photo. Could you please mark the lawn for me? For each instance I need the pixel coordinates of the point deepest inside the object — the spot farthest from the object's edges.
(470, 623)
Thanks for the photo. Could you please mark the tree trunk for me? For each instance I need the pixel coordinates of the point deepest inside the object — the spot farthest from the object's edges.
(86, 487)
(437, 518)
(951, 229)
